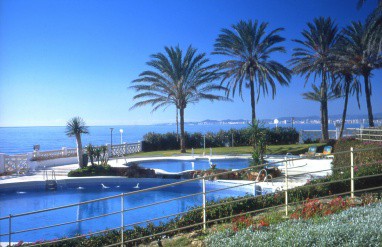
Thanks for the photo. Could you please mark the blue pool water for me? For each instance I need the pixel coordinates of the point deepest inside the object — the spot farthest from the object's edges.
(199, 164)
(20, 201)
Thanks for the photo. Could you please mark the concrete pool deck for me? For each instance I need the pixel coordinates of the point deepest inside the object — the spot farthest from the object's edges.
(299, 172)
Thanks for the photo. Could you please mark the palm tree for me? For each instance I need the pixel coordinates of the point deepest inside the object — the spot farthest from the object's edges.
(362, 45)
(348, 82)
(75, 127)
(177, 80)
(249, 48)
(316, 95)
(315, 57)
(350, 85)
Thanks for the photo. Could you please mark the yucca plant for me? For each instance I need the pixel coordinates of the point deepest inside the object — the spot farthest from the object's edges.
(90, 150)
(76, 127)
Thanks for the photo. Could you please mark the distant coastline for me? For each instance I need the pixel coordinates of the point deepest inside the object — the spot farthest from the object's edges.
(20, 140)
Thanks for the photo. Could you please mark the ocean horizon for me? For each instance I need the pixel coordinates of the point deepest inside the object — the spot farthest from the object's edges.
(20, 140)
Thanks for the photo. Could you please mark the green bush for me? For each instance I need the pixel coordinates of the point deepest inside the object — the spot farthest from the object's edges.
(91, 171)
(168, 141)
(132, 171)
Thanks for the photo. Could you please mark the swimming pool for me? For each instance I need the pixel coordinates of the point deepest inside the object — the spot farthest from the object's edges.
(171, 165)
(32, 197)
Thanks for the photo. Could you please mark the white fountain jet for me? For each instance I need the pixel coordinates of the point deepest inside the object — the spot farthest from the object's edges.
(104, 187)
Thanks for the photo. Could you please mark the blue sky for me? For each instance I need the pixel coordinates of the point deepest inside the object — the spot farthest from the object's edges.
(60, 59)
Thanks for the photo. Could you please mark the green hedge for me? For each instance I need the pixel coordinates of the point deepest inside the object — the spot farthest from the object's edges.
(132, 171)
(168, 141)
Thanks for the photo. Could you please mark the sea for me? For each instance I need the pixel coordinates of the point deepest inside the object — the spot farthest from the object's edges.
(20, 140)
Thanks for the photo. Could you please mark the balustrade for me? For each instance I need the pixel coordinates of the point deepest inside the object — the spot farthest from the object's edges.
(21, 163)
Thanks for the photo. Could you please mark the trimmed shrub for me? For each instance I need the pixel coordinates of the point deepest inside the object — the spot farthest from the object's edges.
(132, 171)
(241, 137)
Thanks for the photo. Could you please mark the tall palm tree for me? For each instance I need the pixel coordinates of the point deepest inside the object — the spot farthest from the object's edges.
(366, 56)
(348, 82)
(249, 48)
(315, 58)
(177, 80)
(75, 127)
(350, 85)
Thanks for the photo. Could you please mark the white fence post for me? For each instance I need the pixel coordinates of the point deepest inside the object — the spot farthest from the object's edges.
(2, 163)
(35, 153)
(351, 173)
(300, 139)
(31, 164)
(286, 189)
(10, 230)
(64, 151)
(109, 151)
(122, 218)
(125, 147)
(204, 205)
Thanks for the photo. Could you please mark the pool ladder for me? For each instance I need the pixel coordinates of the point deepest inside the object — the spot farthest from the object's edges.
(50, 184)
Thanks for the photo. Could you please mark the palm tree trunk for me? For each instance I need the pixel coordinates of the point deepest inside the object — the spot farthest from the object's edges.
(79, 150)
(368, 100)
(182, 137)
(347, 88)
(251, 83)
(177, 124)
(324, 109)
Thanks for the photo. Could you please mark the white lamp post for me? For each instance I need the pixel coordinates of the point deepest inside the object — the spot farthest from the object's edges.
(121, 131)
(276, 121)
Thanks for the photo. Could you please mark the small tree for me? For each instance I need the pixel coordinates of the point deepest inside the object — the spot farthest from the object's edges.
(90, 152)
(75, 127)
(258, 141)
(103, 156)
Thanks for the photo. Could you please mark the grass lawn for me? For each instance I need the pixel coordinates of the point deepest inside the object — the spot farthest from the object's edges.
(272, 149)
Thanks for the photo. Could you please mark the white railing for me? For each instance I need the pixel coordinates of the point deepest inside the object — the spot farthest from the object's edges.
(204, 207)
(126, 148)
(15, 163)
(314, 135)
(369, 134)
(23, 162)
